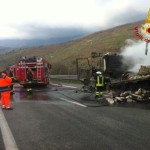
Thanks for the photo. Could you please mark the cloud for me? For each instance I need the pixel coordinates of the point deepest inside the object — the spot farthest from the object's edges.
(26, 18)
(135, 55)
(46, 32)
(34, 35)
(124, 17)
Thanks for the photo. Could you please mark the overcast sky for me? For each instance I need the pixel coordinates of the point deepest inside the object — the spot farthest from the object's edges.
(24, 19)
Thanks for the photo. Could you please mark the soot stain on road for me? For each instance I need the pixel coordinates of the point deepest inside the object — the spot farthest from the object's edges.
(38, 94)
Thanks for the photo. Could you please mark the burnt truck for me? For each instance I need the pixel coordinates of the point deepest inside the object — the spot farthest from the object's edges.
(112, 65)
(115, 67)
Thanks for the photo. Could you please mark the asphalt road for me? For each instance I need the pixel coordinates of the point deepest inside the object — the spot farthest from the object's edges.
(63, 118)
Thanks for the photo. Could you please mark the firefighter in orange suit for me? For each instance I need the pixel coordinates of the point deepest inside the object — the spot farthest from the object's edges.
(5, 96)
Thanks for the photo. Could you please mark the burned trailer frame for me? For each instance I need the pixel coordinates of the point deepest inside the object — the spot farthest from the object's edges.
(135, 81)
(89, 65)
(110, 64)
(79, 69)
(132, 84)
(84, 74)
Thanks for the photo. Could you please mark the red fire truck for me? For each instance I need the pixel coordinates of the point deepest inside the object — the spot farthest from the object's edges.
(40, 70)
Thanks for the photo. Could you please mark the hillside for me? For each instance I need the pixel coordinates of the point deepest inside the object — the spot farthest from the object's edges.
(4, 49)
(63, 56)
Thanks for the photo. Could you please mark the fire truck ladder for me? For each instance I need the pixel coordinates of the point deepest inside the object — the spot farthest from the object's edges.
(23, 66)
(39, 71)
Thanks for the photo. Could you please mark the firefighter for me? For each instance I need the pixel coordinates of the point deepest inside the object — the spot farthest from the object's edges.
(29, 79)
(5, 96)
(100, 83)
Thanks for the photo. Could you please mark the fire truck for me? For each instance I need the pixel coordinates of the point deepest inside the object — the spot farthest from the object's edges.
(39, 67)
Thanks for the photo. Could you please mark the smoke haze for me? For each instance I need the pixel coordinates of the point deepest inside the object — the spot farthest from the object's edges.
(134, 55)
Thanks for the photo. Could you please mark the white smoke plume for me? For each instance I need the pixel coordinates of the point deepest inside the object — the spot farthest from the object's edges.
(134, 55)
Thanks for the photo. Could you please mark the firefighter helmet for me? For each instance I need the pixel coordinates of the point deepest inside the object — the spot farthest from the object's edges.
(98, 72)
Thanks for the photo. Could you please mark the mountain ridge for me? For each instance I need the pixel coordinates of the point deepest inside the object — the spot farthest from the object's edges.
(110, 40)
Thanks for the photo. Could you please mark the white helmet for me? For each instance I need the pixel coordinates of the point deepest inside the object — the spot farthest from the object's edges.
(98, 72)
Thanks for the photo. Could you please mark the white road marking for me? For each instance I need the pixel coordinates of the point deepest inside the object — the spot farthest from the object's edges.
(73, 102)
(7, 136)
(69, 86)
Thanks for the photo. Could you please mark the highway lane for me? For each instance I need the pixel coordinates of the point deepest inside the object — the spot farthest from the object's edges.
(49, 120)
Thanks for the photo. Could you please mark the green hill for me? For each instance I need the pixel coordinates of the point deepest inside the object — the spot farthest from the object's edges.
(63, 56)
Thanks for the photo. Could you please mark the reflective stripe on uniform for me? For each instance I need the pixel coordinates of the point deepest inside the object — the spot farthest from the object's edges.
(100, 81)
(97, 93)
(101, 93)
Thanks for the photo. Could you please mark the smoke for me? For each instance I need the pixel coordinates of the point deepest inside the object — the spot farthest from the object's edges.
(134, 55)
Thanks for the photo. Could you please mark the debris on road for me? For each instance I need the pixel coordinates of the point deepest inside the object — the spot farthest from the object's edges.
(134, 89)
(130, 96)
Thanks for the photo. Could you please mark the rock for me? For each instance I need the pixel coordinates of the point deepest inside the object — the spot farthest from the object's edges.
(144, 91)
(120, 99)
(146, 95)
(144, 70)
(129, 100)
(140, 98)
(110, 100)
(129, 97)
(138, 92)
(137, 97)
(124, 94)
(116, 94)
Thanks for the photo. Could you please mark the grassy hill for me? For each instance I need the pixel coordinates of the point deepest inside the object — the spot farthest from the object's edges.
(63, 56)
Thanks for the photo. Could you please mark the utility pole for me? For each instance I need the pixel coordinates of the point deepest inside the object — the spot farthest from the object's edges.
(146, 50)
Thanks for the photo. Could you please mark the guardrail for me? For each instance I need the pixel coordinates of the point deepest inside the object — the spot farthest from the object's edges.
(64, 77)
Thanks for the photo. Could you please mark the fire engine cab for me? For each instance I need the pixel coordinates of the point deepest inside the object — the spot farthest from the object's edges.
(39, 67)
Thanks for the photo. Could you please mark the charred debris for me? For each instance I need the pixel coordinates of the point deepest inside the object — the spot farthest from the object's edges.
(135, 88)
